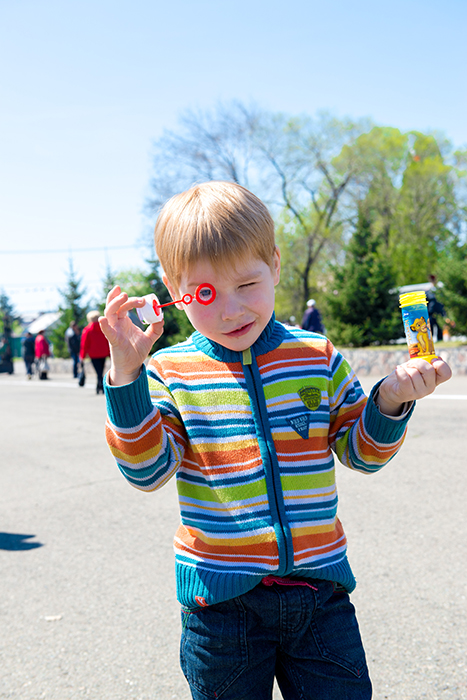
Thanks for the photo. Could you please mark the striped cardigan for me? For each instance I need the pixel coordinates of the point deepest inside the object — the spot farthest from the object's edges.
(250, 437)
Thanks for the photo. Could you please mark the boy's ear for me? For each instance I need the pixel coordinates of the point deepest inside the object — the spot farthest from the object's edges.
(277, 265)
(172, 293)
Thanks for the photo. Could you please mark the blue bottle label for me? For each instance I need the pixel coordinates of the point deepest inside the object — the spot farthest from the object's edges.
(417, 330)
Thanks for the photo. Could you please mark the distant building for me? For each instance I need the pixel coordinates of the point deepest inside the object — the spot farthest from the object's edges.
(44, 322)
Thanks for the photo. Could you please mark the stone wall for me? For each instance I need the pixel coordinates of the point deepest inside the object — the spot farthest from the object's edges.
(364, 362)
(381, 362)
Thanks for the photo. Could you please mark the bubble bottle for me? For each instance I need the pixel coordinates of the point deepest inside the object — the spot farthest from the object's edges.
(417, 325)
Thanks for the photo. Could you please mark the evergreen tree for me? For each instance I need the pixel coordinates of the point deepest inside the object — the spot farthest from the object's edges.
(7, 314)
(72, 308)
(452, 271)
(108, 283)
(360, 310)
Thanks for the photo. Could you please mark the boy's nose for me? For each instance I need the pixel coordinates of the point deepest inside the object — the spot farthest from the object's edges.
(231, 309)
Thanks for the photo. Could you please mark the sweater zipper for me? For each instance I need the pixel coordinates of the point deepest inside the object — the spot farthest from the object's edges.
(271, 467)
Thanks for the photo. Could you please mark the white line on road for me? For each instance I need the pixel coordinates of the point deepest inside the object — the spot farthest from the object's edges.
(458, 397)
(57, 384)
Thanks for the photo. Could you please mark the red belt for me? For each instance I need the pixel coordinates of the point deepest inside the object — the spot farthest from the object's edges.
(270, 580)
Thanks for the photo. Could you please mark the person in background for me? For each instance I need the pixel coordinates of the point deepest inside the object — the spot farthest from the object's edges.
(311, 320)
(73, 341)
(42, 352)
(28, 353)
(95, 344)
(6, 355)
(435, 310)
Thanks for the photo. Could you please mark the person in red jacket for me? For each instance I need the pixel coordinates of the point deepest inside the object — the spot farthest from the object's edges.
(95, 344)
(41, 346)
(41, 352)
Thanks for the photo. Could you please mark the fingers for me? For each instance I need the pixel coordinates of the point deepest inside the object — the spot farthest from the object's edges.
(418, 378)
(114, 300)
(421, 375)
(112, 294)
(118, 303)
(116, 312)
(442, 369)
(128, 303)
(154, 331)
(420, 369)
(433, 373)
(107, 330)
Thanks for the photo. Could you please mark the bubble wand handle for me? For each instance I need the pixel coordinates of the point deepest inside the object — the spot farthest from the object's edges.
(151, 312)
(186, 299)
(417, 325)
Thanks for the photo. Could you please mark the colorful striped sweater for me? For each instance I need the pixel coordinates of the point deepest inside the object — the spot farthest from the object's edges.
(250, 437)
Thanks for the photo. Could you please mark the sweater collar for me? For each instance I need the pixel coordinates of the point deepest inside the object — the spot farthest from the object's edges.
(270, 339)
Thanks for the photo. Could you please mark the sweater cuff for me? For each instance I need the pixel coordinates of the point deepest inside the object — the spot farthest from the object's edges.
(386, 428)
(130, 404)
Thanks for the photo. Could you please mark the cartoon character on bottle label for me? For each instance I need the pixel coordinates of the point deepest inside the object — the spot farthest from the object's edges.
(424, 339)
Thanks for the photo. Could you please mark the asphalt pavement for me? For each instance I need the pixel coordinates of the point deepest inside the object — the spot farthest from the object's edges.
(87, 593)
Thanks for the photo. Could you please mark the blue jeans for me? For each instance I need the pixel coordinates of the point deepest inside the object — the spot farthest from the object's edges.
(29, 361)
(75, 359)
(98, 363)
(308, 639)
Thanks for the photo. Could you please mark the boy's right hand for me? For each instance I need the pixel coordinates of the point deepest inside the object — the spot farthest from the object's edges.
(129, 345)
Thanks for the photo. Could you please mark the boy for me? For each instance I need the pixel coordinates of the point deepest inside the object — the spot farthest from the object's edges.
(245, 413)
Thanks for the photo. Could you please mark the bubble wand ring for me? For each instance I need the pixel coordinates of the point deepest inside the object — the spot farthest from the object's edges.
(151, 311)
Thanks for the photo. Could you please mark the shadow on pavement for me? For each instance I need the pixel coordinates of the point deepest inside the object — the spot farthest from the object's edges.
(16, 542)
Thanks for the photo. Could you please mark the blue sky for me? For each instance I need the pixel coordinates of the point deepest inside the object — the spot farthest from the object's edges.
(86, 88)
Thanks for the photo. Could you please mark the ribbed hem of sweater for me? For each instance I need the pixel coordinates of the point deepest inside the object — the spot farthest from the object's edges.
(130, 404)
(198, 587)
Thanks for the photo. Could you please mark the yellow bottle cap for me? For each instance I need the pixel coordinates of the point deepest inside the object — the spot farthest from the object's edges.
(411, 298)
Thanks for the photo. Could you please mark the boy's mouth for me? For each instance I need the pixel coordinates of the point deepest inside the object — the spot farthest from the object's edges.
(243, 330)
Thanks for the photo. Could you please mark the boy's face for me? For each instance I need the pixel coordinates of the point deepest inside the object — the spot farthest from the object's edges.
(243, 305)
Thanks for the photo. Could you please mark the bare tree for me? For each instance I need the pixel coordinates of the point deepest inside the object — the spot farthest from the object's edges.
(299, 166)
(206, 146)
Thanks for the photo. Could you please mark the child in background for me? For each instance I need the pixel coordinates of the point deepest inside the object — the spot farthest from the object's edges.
(247, 414)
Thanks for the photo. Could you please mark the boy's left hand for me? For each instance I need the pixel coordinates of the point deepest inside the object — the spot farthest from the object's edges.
(410, 381)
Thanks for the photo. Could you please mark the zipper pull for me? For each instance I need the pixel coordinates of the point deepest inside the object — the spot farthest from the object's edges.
(247, 357)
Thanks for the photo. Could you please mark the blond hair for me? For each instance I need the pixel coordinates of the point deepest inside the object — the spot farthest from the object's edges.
(221, 222)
